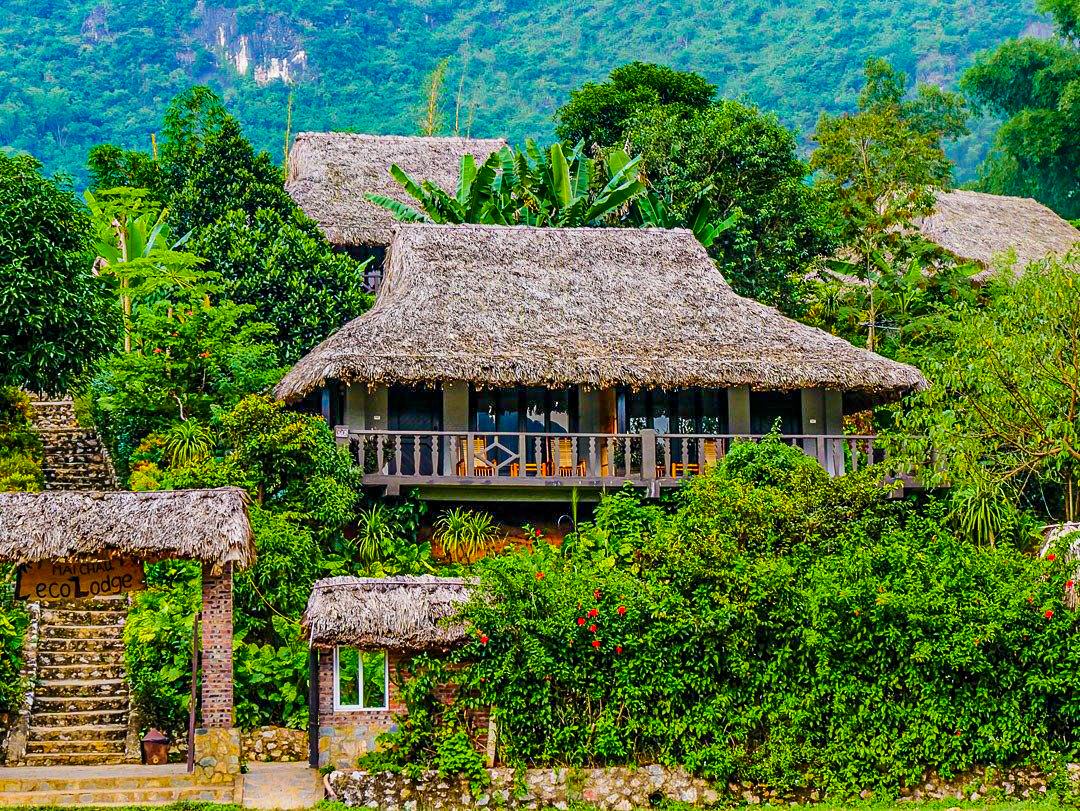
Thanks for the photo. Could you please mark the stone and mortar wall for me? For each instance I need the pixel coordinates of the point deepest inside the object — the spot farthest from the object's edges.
(612, 789)
(274, 744)
(627, 788)
(217, 755)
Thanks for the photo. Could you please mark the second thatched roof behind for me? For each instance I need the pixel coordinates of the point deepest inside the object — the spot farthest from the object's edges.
(980, 227)
(330, 174)
(210, 526)
(506, 306)
(401, 613)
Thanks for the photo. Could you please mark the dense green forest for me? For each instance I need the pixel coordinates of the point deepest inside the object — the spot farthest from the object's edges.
(84, 72)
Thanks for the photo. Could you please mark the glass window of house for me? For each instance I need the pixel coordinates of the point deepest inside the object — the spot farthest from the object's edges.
(361, 679)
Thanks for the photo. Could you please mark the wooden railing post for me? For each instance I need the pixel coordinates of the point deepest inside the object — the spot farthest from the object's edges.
(648, 453)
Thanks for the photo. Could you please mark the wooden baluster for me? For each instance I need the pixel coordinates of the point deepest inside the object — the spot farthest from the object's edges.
(594, 461)
(574, 455)
(523, 455)
(627, 455)
(397, 454)
(436, 442)
(470, 451)
(380, 452)
(416, 455)
(538, 454)
(854, 444)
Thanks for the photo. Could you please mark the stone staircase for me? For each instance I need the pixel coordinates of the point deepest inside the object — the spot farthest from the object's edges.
(75, 459)
(80, 708)
(109, 786)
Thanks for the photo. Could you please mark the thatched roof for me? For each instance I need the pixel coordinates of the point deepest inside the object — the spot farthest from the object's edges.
(979, 227)
(501, 305)
(210, 526)
(402, 613)
(330, 174)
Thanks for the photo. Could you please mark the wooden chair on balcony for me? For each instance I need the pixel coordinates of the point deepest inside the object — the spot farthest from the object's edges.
(568, 465)
(481, 463)
(708, 459)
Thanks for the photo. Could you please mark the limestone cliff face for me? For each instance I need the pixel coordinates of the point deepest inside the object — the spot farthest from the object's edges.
(268, 48)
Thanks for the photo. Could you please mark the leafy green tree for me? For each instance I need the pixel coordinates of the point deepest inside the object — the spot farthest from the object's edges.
(881, 167)
(1003, 413)
(56, 316)
(111, 167)
(744, 164)
(1034, 84)
(188, 358)
(598, 114)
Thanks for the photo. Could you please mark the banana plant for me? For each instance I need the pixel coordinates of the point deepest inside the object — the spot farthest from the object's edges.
(523, 187)
(652, 211)
(133, 245)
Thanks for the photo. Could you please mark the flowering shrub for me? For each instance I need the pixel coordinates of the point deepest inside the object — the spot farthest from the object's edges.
(804, 631)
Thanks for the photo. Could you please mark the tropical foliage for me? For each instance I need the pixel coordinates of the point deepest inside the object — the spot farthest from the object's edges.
(773, 625)
(20, 447)
(55, 315)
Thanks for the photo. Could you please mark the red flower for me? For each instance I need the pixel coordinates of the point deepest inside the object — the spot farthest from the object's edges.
(596, 594)
(204, 354)
(539, 575)
(958, 732)
(537, 533)
(483, 639)
(1069, 585)
(621, 610)
(580, 620)
(1049, 613)
(593, 612)
(1031, 599)
(596, 643)
(592, 628)
(1051, 557)
(157, 350)
(618, 648)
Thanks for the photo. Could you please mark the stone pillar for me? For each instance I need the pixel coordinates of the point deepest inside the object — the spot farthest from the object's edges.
(217, 741)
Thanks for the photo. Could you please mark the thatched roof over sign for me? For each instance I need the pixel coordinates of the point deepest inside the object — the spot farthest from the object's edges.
(330, 174)
(402, 613)
(979, 227)
(210, 526)
(497, 305)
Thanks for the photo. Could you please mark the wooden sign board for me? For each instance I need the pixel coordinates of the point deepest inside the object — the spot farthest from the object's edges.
(44, 582)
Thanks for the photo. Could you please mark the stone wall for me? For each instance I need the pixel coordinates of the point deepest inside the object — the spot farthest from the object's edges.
(274, 744)
(627, 788)
(612, 789)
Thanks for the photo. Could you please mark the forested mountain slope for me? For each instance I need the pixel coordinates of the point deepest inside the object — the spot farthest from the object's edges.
(77, 73)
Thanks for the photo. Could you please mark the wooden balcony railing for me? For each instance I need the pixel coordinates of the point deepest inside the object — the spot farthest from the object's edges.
(468, 457)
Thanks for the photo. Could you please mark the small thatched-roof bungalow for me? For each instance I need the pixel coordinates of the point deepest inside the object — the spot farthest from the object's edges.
(363, 633)
(548, 351)
(979, 227)
(210, 526)
(330, 175)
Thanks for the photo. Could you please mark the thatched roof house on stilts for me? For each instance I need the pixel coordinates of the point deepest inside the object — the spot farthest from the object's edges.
(546, 352)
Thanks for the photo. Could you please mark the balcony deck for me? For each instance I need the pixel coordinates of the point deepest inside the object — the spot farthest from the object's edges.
(402, 460)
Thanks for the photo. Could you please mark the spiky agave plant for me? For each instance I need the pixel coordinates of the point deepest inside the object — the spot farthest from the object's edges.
(187, 442)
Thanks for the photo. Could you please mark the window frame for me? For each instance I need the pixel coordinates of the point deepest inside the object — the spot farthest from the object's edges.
(338, 706)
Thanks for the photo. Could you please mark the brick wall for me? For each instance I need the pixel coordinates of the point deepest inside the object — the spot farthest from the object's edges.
(217, 647)
(346, 734)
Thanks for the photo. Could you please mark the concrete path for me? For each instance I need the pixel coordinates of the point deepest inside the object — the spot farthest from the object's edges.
(282, 785)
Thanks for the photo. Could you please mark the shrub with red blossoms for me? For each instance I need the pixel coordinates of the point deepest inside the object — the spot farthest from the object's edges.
(596, 643)
(1051, 557)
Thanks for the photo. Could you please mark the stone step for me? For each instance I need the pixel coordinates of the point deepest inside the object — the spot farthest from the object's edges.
(77, 688)
(123, 795)
(116, 602)
(55, 631)
(96, 704)
(86, 732)
(82, 672)
(79, 718)
(76, 645)
(88, 616)
(75, 657)
(76, 747)
(73, 759)
(79, 779)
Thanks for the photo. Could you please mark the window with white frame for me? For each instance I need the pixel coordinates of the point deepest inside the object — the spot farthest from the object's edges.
(361, 679)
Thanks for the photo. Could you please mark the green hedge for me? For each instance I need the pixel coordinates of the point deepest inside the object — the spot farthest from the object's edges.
(776, 625)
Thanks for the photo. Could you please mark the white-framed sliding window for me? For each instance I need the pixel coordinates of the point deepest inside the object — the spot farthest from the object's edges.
(361, 679)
